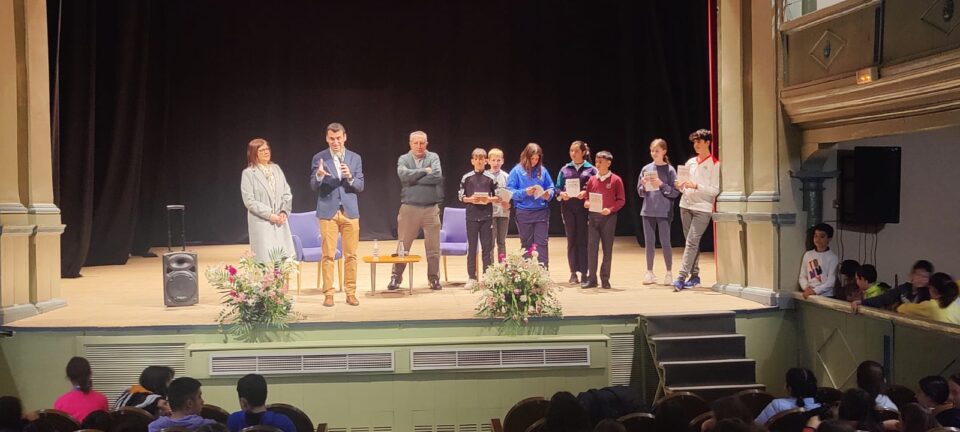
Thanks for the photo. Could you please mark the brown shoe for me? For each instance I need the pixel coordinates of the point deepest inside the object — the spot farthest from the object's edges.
(352, 300)
(328, 301)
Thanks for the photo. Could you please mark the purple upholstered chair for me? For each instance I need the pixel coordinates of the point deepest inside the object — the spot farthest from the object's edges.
(306, 241)
(453, 235)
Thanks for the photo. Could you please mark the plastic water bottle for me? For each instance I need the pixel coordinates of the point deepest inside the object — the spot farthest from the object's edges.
(400, 251)
(376, 249)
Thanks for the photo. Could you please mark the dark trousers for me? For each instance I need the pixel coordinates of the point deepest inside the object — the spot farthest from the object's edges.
(500, 235)
(601, 231)
(575, 225)
(483, 230)
(533, 227)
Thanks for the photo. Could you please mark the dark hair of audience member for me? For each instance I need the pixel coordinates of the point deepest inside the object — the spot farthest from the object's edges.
(253, 388)
(99, 420)
(868, 272)
(802, 384)
(915, 418)
(730, 407)
(857, 405)
(871, 378)
(922, 265)
(609, 425)
(836, 426)
(946, 287)
(565, 414)
(849, 268)
(936, 388)
(156, 378)
(823, 227)
(670, 416)
(735, 425)
(212, 427)
(79, 373)
(11, 413)
(180, 391)
(847, 273)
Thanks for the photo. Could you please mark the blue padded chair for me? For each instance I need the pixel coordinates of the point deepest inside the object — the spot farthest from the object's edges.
(453, 235)
(306, 242)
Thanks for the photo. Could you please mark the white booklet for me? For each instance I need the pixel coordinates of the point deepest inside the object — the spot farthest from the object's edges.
(596, 202)
(481, 197)
(648, 177)
(572, 186)
(683, 173)
(537, 191)
(504, 194)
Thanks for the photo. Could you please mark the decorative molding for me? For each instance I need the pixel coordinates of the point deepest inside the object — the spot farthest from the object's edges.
(942, 15)
(12, 208)
(826, 14)
(17, 230)
(43, 208)
(738, 196)
(13, 313)
(51, 229)
(778, 219)
(827, 49)
(49, 305)
(923, 86)
(764, 296)
(764, 196)
(726, 217)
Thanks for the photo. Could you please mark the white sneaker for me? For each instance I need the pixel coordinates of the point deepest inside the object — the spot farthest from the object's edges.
(471, 283)
(668, 278)
(649, 278)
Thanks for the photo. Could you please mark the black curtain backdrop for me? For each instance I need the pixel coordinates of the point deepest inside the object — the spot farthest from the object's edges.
(158, 99)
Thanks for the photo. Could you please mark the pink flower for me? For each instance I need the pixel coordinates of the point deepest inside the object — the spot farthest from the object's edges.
(231, 279)
(516, 291)
(232, 270)
(501, 257)
(233, 293)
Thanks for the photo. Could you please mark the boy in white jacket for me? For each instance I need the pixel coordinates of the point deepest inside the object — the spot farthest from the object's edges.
(818, 271)
(699, 192)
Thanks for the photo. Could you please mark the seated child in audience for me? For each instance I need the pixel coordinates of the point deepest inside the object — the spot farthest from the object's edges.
(11, 414)
(915, 418)
(186, 402)
(857, 408)
(252, 391)
(609, 425)
(867, 281)
(954, 382)
(934, 395)
(82, 400)
(872, 379)
(149, 393)
(802, 387)
(942, 306)
(819, 265)
(914, 291)
(847, 282)
(565, 414)
(729, 407)
(212, 427)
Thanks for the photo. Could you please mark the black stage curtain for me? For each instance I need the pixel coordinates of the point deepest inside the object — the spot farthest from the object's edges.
(158, 99)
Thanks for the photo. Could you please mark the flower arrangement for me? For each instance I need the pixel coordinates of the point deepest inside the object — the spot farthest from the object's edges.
(255, 295)
(516, 288)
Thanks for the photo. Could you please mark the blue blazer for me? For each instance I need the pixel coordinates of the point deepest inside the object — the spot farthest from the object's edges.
(334, 192)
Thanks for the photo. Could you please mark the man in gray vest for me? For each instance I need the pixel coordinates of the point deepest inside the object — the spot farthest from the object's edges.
(421, 181)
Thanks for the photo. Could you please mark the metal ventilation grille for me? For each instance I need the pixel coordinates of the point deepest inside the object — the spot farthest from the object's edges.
(446, 428)
(486, 358)
(116, 367)
(451, 428)
(621, 358)
(421, 428)
(300, 363)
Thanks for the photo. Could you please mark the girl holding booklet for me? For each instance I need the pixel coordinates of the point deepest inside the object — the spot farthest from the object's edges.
(571, 185)
(532, 188)
(656, 187)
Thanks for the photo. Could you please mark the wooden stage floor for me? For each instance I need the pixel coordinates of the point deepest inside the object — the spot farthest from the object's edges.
(131, 295)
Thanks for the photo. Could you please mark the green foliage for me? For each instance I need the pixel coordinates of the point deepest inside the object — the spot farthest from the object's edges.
(517, 288)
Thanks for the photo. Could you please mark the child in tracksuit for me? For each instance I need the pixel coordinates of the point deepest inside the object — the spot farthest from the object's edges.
(601, 226)
(478, 191)
(657, 211)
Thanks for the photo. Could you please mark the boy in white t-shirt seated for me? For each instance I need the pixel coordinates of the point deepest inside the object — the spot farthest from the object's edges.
(818, 271)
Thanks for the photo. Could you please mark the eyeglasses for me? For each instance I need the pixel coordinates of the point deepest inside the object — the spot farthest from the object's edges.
(264, 150)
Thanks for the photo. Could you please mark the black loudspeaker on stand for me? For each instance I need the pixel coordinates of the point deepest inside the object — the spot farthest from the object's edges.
(180, 283)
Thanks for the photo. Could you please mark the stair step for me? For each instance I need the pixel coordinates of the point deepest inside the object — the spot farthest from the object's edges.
(713, 392)
(691, 324)
(706, 347)
(708, 372)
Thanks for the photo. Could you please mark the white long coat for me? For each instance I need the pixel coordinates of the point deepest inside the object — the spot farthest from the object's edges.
(261, 202)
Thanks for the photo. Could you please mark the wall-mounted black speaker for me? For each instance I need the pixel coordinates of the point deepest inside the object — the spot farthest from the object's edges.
(869, 185)
(180, 283)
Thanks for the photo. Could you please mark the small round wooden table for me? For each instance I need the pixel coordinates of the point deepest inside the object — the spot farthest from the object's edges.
(409, 260)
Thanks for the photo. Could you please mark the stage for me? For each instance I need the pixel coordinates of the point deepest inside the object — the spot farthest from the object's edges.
(130, 295)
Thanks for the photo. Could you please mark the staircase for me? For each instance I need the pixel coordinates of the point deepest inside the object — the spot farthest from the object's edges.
(699, 353)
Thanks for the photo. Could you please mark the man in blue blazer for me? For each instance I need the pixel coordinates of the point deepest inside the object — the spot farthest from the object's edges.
(337, 175)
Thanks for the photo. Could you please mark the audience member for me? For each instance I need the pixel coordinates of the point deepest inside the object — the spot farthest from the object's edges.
(858, 408)
(212, 427)
(934, 394)
(252, 391)
(186, 402)
(867, 281)
(942, 306)
(99, 420)
(847, 282)
(914, 291)
(670, 416)
(954, 383)
(915, 418)
(729, 407)
(871, 378)
(150, 393)
(818, 270)
(802, 387)
(11, 414)
(564, 414)
(609, 425)
(736, 425)
(833, 426)
(82, 400)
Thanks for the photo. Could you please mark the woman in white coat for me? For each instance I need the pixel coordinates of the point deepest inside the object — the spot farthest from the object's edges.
(267, 197)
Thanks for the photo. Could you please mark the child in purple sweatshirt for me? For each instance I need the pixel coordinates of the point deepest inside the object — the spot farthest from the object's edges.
(657, 208)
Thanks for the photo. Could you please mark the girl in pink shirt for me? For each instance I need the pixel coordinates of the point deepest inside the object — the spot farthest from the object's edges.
(82, 400)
